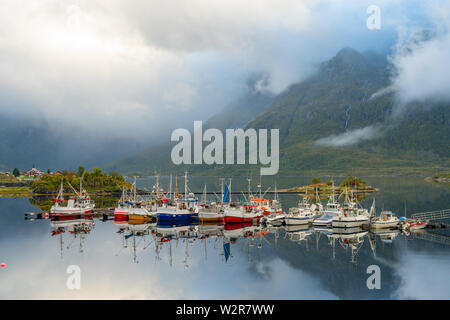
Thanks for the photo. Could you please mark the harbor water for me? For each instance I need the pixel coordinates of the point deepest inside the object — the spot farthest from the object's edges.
(195, 261)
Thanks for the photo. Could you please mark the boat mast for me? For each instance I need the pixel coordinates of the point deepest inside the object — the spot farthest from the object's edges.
(134, 189)
(185, 185)
(61, 190)
(170, 186)
(276, 193)
(222, 182)
(249, 188)
(204, 194)
(260, 187)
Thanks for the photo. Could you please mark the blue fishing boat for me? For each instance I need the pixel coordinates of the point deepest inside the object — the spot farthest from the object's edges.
(183, 210)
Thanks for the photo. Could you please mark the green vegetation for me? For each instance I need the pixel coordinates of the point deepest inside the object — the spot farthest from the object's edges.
(324, 190)
(443, 175)
(315, 180)
(14, 192)
(440, 177)
(16, 172)
(353, 182)
(94, 181)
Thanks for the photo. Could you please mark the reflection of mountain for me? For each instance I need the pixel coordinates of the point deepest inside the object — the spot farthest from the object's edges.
(334, 121)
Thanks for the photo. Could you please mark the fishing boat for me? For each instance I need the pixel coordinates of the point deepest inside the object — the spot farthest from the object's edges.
(276, 216)
(258, 202)
(302, 214)
(183, 210)
(413, 225)
(332, 209)
(275, 219)
(210, 212)
(386, 220)
(130, 207)
(351, 216)
(80, 204)
(239, 214)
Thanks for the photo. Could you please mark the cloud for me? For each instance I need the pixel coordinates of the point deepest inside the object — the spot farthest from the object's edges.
(350, 137)
(418, 284)
(112, 68)
(422, 67)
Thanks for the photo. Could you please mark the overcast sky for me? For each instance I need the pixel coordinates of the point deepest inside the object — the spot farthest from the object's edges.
(136, 68)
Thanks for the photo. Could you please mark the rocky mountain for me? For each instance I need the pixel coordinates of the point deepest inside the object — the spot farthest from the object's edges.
(343, 119)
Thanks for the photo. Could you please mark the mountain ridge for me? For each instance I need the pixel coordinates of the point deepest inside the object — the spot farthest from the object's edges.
(340, 100)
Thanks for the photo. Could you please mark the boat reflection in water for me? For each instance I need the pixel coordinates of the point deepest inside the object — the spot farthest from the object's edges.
(137, 235)
(76, 226)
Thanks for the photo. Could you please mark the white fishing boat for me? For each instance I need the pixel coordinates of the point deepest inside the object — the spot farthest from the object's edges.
(79, 204)
(275, 219)
(210, 212)
(349, 219)
(276, 215)
(386, 220)
(304, 213)
(331, 210)
(351, 216)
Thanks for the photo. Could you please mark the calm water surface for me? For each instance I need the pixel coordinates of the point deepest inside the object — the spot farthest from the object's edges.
(213, 262)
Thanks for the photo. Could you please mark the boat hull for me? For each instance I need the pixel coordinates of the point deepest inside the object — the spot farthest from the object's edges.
(325, 220)
(210, 217)
(417, 226)
(384, 225)
(277, 219)
(298, 220)
(174, 217)
(340, 222)
(236, 219)
(71, 211)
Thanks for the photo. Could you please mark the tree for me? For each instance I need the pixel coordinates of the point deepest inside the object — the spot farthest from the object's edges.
(80, 171)
(48, 171)
(315, 180)
(353, 182)
(16, 172)
(97, 172)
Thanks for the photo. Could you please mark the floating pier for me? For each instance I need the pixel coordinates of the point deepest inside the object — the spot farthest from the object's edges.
(432, 215)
